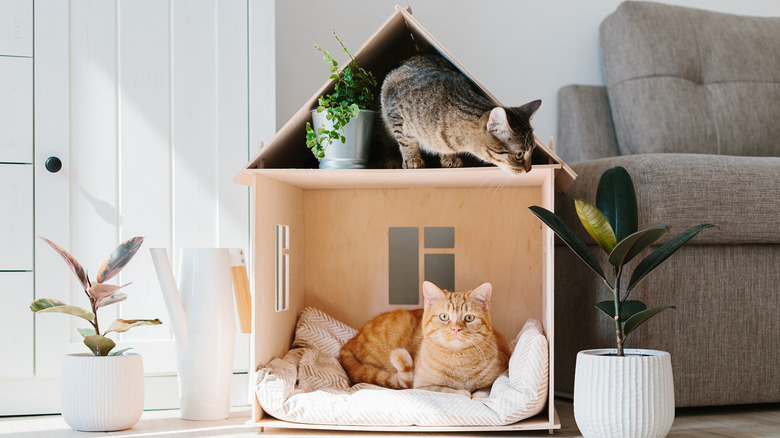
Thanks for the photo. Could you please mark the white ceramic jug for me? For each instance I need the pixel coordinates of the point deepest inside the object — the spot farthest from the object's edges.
(201, 310)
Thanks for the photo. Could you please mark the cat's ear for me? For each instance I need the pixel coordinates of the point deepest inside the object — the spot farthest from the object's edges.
(498, 125)
(482, 294)
(431, 293)
(530, 108)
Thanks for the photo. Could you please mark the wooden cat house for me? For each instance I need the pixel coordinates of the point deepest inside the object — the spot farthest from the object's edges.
(355, 243)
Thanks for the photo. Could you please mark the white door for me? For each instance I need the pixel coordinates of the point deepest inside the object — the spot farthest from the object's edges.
(146, 104)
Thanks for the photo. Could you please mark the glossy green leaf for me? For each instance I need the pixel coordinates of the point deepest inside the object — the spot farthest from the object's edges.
(627, 309)
(632, 245)
(662, 253)
(639, 318)
(567, 235)
(122, 325)
(118, 258)
(595, 224)
(50, 305)
(75, 266)
(119, 352)
(616, 198)
(99, 345)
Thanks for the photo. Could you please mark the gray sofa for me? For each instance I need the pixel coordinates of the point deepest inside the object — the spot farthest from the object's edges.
(691, 108)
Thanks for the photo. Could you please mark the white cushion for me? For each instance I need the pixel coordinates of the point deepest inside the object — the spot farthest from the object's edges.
(308, 385)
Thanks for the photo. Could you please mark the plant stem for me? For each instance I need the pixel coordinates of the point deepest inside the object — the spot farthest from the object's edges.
(94, 312)
(618, 327)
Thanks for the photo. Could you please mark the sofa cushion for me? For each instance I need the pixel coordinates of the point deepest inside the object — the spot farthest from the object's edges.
(692, 81)
(737, 194)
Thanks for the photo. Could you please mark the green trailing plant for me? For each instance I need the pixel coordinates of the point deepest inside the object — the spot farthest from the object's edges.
(352, 92)
(100, 295)
(613, 223)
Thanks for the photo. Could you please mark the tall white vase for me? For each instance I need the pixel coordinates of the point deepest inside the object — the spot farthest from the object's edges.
(205, 359)
(102, 393)
(623, 397)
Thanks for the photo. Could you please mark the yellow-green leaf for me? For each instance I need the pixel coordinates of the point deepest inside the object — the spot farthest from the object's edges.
(596, 224)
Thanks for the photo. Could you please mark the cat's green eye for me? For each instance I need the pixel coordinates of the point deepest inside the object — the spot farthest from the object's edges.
(444, 317)
(519, 155)
(469, 318)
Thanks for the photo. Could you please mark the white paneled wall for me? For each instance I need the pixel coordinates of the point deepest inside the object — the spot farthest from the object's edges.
(147, 105)
(156, 134)
(16, 188)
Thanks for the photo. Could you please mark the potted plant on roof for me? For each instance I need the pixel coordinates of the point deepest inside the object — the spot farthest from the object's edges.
(102, 390)
(636, 381)
(343, 120)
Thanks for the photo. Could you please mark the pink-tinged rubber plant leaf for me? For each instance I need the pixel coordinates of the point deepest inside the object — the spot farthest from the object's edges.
(596, 224)
(632, 245)
(119, 257)
(119, 352)
(75, 266)
(99, 345)
(122, 325)
(636, 320)
(50, 305)
(102, 290)
(662, 253)
(111, 299)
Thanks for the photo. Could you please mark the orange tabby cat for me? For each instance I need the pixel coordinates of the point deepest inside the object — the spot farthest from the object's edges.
(449, 346)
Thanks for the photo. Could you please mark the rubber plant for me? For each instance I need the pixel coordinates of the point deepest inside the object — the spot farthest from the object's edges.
(613, 223)
(352, 92)
(100, 295)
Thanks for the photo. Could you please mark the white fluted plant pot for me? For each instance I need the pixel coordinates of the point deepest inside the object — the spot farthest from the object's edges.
(102, 393)
(623, 397)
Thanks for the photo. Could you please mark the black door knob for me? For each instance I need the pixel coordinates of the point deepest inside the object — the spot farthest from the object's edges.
(53, 164)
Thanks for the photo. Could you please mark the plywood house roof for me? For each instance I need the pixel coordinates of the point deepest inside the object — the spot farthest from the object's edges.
(398, 38)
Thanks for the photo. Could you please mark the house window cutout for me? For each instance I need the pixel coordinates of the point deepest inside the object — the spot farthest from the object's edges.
(404, 261)
(404, 265)
(282, 266)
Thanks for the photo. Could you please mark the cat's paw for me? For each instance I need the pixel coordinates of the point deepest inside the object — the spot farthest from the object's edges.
(481, 393)
(393, 164)
(414, 163)
(402, 362)
(451, 161)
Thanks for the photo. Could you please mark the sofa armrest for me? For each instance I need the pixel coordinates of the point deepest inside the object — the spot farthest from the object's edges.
(585, 130)
(738, 194)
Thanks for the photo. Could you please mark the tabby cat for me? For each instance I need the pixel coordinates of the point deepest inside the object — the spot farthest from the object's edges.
(448, 346)
(428, 104)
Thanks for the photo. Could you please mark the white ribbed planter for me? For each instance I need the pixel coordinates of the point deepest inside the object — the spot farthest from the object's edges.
(623, 397)
(102, 393)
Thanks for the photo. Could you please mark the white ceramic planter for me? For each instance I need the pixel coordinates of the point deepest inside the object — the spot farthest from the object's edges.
(623, 397)
(354, 153)
(102, 393)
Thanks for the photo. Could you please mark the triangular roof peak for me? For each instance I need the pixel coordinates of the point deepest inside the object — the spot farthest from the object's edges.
(398, 38)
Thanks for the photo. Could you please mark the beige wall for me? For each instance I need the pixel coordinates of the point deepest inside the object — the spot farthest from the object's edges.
(519, 49)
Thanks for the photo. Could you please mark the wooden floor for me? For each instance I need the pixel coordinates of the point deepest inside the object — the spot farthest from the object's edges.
(738, 422)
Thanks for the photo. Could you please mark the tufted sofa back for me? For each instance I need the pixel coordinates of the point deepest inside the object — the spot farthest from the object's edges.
(692, 81)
